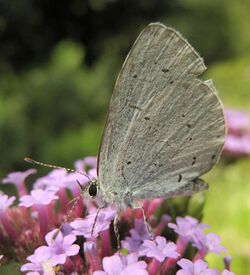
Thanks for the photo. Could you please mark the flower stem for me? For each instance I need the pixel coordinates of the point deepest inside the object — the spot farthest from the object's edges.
(106, 243)
(153, 267)
(43, 219)
(7, 226)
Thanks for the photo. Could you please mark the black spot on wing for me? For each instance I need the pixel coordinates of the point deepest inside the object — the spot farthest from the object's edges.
(165, 70)
(194, 159)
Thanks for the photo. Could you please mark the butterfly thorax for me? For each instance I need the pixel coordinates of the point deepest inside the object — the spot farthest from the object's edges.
(120, 200)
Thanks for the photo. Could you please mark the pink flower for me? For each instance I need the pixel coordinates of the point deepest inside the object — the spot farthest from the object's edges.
(122, 265)
(227, 272)
(189, 228)
(237, 145)
(46, 257)
(158, 249)
(60, 247)
(138, 235)
(236, 121)
(40, 261)
(210, 243)
(197, 268)
(6, 202)
(88, 162)
(237, 142)
(38, 196)
(18, 178)
(85, 226)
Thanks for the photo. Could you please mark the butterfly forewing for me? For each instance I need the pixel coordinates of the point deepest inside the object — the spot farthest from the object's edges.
(165, 127)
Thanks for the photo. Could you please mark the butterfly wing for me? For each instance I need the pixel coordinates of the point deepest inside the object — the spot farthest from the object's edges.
(165, 127)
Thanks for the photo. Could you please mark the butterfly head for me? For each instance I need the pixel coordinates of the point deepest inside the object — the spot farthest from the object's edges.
(92, 188)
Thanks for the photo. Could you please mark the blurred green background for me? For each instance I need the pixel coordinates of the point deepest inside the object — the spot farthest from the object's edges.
(58, 64)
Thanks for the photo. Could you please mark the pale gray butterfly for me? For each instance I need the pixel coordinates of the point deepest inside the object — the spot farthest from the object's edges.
(165, 127)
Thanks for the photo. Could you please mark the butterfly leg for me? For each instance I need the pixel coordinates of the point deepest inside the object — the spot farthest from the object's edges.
(96, 216)
(146, 222)
(149, 231)
(117, 234)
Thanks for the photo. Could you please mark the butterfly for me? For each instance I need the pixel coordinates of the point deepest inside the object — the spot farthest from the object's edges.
(165, 127)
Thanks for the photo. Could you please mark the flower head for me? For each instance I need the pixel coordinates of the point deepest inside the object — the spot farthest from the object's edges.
(237, 145)
(61, 246)
(18, 177)
(138, 235)
(122, 265)
(236, 121)
(210, 243)
(158, 249)
(38, 196)
(237, 142)
(188, 228)
(6, 202)
(197, 268)
(40, 261)
(88, 162)
(85, 226)
(227, 272)
(26, 231)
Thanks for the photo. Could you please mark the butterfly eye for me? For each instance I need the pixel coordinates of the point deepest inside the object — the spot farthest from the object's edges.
(93, 189)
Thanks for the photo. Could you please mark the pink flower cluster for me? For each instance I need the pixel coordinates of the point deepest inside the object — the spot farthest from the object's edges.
(237, 142)
(48, 233)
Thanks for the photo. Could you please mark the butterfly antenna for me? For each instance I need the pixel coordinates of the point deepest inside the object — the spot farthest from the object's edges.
(32, 161)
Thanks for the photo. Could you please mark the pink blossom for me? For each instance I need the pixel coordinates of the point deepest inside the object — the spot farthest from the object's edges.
(227, 272)
(6, 202)
(158, 249)
(138, 235)
(85, 226)
(18, 178)
(40, 261)
(197, 268)
(189, 228)
(37, 196)
(210, 243)
(122, 265)
(237, 142)
(88, 162)
(61, 246)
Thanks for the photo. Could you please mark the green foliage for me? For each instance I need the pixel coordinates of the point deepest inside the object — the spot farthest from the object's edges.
(11, 267)
(182, 206)
(44, 106)
(227, 209)
(217, 29)
(227, 212)
(232, 79)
